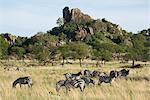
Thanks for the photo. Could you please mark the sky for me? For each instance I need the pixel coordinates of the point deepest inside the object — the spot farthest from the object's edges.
(27, 17)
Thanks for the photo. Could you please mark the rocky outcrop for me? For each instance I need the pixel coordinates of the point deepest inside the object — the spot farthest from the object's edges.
(78, 17)
(82, 33)
(10, 38)
(127, 42)
(66, 14)
(75, 15)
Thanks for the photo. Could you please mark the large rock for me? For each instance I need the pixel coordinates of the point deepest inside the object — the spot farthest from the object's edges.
(82, 32)
(78, 17)
(75, 15)
(10, 38)
(66, 14)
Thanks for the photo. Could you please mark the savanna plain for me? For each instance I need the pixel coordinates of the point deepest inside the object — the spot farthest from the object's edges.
(135, 87)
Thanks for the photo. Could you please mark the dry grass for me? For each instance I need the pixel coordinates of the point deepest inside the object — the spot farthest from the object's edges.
(45, 78)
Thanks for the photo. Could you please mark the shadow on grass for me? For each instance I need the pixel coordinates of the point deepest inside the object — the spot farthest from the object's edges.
(138, 78)
(135, 66)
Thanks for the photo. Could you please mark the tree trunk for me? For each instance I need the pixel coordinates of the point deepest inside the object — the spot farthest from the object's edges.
(52, 62)
(80, 62)
(133, 62)
(63, 61)
(98, 63)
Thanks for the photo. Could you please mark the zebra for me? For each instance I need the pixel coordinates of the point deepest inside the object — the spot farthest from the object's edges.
(78, 83)
(71, 76)
(107, 78)
(88, 80)
(123, 72)
(96, 73)
(59, 84)
(23, 80)
(86, 73)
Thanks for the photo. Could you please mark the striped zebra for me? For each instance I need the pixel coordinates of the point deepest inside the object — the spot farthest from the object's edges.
(71, 76)
(79, 83)
(107, 78)
(23, 80)
(86, 73)
(123, 72)
(96, 74)
(88, 80)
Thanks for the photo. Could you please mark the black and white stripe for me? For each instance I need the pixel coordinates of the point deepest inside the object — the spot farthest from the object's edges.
(88, 80)
(96, 74)
(123, 72)
(86, 73)
(71, 76)
(79, 83)
(107, 78)
(23, 80)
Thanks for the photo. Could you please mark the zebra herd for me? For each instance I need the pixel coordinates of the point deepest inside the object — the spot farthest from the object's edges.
(78, 80)
(85, 77)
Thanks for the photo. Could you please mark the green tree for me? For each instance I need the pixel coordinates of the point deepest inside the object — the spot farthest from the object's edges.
(19, 51)
(79, 51)
(3, 48)
(132, 54)
(41, 53)
(64, 52)
(60, 21)
(101, 55)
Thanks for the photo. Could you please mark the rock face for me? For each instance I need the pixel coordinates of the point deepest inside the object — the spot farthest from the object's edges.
(10, 38)
(82, 33)
(66, 14)
(78, 16)
(75, 15)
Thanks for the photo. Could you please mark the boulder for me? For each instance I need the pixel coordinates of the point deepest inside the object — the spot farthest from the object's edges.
(10, 38)
(66, 14)
(82, 32)
(75, 15)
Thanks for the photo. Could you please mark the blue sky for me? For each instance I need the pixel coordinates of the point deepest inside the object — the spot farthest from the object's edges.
(27, 17)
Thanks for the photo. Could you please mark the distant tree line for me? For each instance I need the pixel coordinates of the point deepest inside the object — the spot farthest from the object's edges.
(60, 44)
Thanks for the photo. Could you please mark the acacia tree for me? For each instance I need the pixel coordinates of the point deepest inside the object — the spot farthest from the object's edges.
(79, 51)
(132, 54)
(41, 53)
(135, 52)
(64, 52)
(19, 51)
(101, 55)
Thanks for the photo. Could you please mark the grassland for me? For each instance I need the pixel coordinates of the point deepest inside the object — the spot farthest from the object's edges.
(45, 77)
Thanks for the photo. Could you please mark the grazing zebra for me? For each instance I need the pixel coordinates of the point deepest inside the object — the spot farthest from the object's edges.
(59, 84)
(79, 83)
(123, 72)
(23, 80)
(106, 78)
(98, 73)
(86, 73)
(88, 80)
(71, 76)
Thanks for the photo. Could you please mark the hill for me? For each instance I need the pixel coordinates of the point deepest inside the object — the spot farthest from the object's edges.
(75, 33)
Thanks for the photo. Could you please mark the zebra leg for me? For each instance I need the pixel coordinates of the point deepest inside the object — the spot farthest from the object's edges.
(29, 85)
(110, 84)
(100, 82)
(82, 88)
(20, 85)
(67, 90)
